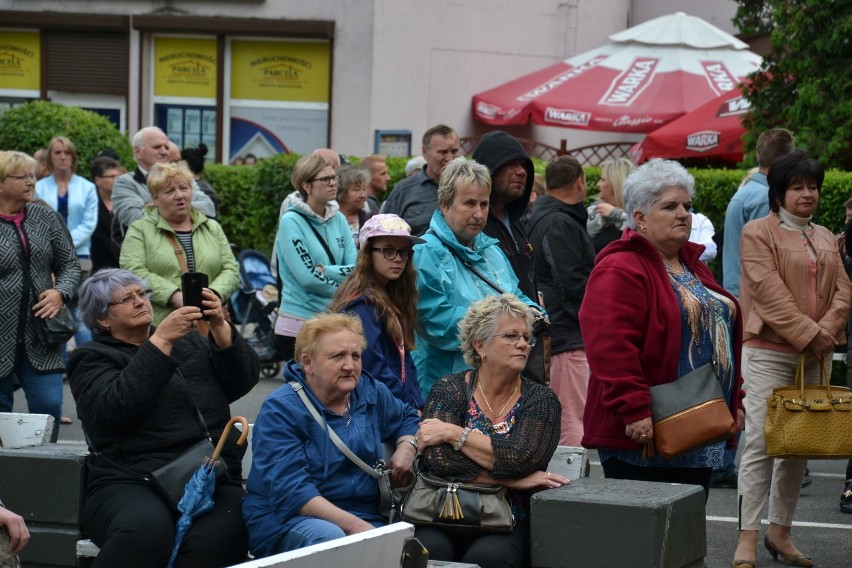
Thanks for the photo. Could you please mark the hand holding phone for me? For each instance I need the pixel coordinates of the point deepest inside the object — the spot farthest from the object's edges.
(191, 284)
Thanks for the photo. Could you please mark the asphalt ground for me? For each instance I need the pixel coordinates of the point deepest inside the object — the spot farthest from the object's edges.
(820, 529)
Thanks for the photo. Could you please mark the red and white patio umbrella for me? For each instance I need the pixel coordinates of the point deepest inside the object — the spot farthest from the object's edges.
(647, 76)
(713, 130)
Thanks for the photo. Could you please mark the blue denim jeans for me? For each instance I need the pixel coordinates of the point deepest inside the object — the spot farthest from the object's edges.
(312, 531)
(43, 392)
(81, 336)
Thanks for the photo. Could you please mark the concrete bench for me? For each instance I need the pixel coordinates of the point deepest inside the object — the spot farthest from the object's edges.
(611, 522)
(44, 485)
(379, 548)
(19, 430)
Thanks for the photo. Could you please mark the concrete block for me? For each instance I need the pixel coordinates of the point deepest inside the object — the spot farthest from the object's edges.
(44, 485)
(570, 462)
(611, 522)
(18, 430)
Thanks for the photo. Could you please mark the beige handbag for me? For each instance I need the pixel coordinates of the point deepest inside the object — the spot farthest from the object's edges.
(809, 421)
(457, 507)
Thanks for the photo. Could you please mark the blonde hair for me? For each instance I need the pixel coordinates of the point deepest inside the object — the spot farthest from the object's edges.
(72, 149)
(306, 169)
(161, 175)
(311, 331)
(12, 161)
(616, 171)
(482, 319)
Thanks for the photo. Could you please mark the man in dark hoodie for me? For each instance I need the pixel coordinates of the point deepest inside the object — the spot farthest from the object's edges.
(511, 185)
(564, 256)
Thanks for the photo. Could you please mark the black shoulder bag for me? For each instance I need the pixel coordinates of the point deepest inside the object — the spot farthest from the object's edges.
(171, 478)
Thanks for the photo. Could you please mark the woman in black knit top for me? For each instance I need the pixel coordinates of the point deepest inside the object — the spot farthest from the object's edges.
(491, 426)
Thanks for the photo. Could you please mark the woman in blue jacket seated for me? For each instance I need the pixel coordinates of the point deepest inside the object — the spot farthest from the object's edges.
(382, 292)
(302, 490)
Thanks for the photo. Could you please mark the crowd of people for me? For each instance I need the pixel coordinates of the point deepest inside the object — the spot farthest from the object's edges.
(463, 328)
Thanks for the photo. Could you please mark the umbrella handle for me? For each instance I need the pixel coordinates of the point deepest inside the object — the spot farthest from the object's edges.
(224, 437)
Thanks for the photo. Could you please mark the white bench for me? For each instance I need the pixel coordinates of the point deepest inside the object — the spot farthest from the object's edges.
(379, 548)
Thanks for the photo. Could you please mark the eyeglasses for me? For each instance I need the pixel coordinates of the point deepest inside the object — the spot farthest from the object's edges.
(327, 180)
(25, 176)
(141, 294)
(391, 253)
(514, 336)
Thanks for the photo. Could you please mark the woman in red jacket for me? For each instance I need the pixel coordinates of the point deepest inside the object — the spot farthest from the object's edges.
(652, 313)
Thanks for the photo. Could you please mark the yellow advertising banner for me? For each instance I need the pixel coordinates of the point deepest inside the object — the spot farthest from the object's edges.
(20, 60)
(280, 71)
(185, 67)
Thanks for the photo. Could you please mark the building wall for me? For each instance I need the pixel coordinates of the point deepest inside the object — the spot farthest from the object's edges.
(408, 64)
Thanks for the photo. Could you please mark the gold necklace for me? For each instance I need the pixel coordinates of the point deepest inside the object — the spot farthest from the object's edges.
(488, 404)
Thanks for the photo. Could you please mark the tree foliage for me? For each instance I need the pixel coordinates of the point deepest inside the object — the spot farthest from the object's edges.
(805, 81)
(31, 126)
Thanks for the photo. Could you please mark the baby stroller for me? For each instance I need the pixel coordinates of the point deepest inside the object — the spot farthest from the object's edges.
(254, 305)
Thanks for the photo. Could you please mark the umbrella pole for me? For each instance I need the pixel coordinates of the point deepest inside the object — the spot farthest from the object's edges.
(224, 437)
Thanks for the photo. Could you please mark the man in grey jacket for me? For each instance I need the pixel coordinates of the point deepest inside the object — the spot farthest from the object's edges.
(415, 198)
(130, 191)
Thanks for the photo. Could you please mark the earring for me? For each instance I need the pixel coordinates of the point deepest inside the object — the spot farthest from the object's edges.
(484, 357)
(644, 229)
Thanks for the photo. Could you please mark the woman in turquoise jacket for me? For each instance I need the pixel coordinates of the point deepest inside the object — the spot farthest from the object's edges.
(149, 248)
(314, 248)
(447, 265)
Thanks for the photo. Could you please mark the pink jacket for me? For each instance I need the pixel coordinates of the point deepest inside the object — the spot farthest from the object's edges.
(774, 285)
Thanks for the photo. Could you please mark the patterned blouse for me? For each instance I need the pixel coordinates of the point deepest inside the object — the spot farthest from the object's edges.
(708, 321)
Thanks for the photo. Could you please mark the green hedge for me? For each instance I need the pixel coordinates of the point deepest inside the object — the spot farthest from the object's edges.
(28, 127)
(250, 196)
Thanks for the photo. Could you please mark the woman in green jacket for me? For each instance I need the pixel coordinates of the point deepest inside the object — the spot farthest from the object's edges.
(171, 235)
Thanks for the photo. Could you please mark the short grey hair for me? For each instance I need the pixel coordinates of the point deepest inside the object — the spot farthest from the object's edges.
(482, 319)
(347, 176)
(461, 171)
(645, 184)
(139, 138)
(96, 291)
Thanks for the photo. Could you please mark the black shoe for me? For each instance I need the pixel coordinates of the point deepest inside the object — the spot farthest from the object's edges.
(806, 480)
(846, 498)
(728, 481)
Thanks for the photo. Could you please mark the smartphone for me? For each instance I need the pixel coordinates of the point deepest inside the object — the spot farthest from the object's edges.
(191, 284)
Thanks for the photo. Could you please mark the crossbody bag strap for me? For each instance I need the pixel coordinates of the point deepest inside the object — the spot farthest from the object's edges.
(469, 265)
(335, 439)
(179, 252)
(319, 237)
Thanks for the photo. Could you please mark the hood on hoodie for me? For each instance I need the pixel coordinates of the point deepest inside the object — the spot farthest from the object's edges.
(495, 150)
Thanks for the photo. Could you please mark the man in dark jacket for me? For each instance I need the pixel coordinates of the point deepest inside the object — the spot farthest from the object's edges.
(564, 256)
(511, 185)
(415, 198)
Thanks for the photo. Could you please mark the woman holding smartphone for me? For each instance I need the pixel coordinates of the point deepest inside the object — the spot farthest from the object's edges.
(172, 238)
